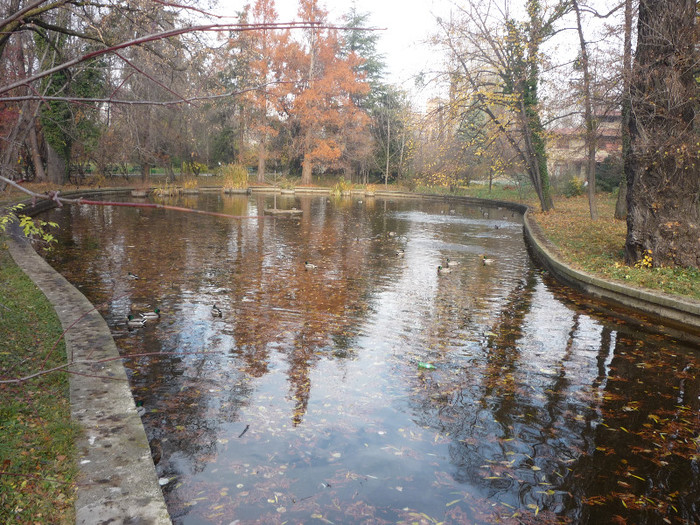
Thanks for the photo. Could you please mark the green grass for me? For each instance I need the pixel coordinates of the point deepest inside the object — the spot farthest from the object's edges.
(498, 192)
(597, 247)
(37, 452)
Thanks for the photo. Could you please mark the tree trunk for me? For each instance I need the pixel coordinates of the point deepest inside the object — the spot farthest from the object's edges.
(621, 204)
(664, 179)
(388, 146)
(55, 166)
(588, 117)
(38, 162)
(306, 170)
(262, 154)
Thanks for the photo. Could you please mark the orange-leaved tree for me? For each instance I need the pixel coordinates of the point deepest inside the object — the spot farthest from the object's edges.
(321, 105)
(268, 50)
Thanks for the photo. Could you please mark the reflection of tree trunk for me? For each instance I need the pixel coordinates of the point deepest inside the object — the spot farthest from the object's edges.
(55, 166)
(36, 155)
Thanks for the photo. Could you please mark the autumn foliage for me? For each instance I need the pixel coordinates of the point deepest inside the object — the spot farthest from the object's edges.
(306, 89)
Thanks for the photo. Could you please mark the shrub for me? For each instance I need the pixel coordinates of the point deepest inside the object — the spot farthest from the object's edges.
(235, 176)
(608, 173)
(573, 187)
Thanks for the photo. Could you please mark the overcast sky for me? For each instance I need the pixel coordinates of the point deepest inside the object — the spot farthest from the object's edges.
(407, 24)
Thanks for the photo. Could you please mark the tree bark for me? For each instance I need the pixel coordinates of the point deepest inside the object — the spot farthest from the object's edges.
(55, 166)
(307, 170)
(588, 117)
(621, 204)
(664, 179)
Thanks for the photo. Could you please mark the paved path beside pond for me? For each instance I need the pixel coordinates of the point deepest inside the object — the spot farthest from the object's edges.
(117, 480)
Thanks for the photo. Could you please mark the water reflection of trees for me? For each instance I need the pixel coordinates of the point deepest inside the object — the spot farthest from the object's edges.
(533, 397)
(597, 431)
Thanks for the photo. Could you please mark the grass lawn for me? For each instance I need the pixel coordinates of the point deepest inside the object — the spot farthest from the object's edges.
(597, 247)
(37, 454)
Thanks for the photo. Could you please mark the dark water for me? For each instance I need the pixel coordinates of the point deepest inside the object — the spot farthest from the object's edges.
(306, 401)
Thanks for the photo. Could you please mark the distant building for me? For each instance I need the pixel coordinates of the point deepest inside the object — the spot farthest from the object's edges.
(566, 147)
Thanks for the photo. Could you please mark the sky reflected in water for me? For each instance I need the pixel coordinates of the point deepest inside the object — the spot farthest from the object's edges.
(308, 400)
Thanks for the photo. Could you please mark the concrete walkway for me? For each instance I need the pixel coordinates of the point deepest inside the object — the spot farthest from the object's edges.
(117, 480)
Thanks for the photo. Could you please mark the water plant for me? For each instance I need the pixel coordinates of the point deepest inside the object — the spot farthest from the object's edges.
(341, 187)
(166, 190)
(189, 183)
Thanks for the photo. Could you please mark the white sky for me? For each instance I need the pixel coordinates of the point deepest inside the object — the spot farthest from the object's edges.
(407, 24)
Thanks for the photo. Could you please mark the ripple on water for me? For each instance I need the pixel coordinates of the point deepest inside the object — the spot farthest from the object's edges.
(311, 397)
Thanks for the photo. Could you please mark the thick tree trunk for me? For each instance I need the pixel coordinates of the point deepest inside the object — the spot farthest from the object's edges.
(55, 166)
(621, 203)
(306, 170)
(38, 162)
(664, 179)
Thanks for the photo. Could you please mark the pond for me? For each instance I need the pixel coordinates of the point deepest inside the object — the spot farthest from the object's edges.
(373, 389)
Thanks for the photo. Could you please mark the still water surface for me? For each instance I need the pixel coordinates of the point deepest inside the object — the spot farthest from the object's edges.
(308, 401)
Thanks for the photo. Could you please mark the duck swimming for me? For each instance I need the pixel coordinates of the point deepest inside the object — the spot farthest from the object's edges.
(451, 263)
(132, 322)
(216, 311)
(309, 266)
(486, 261)
(155, 314)
(442, 269)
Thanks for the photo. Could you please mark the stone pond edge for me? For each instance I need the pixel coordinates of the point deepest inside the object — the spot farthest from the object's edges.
(118, 481)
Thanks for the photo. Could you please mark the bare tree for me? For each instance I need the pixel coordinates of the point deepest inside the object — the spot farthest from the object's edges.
(498, 63)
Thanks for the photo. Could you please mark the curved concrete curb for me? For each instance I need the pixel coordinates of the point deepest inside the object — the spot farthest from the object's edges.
(680, 316)
(117, 483)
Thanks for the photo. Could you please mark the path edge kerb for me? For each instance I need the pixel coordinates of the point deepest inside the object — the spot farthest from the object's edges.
(117, 481)
(680, 314)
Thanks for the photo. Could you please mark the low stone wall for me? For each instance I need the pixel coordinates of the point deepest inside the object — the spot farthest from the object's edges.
(117, 481)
